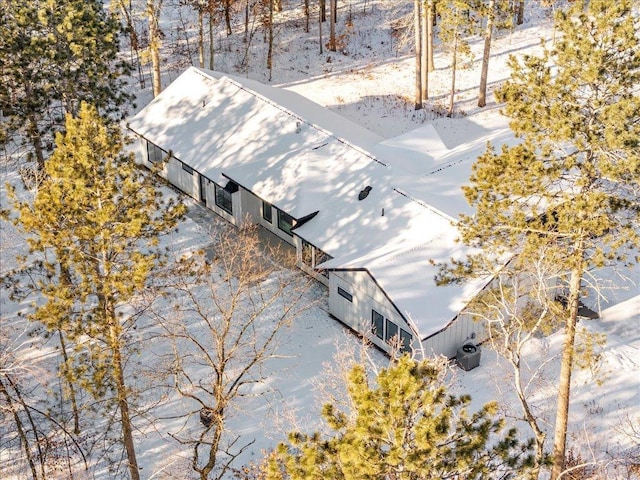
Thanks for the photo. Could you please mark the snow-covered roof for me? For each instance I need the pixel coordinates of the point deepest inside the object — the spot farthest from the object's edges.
(303, 181)
(212, 122)
(307, 160)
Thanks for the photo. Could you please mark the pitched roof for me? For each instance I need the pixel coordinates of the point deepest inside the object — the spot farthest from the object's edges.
(304, 159)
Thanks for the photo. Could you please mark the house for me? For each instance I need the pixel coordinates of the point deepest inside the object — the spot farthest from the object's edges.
(368, 216)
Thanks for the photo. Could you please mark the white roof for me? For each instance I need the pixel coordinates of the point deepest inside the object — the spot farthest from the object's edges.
(213, 123)
(293, 154)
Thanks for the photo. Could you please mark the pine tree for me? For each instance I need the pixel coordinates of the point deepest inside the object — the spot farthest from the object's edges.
(405, 426)
(571, 186)
(496, 13)
(56, 54)
(457, 23)
(100, 219)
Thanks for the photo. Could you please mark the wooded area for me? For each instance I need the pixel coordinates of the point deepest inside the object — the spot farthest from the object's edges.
(94, 275)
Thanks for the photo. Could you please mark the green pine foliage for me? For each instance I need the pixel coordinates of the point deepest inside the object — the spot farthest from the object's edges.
(96, 219)
(570, 190)
(56, 54)
(404, 426)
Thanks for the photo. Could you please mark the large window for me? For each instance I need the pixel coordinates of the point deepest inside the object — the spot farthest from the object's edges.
(267, 213)
(285, 222)
(377, 324)
(392, 331)
(154, 153)
(385, 329)
(223, 199)
(405, 339)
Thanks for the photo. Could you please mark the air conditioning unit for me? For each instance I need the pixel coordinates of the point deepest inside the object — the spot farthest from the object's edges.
(468, 356)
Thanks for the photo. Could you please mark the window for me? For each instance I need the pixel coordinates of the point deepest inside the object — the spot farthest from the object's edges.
(285, 222)
(154, 153)
(307, 254)
(405, 339)
(345, 294)
(223, 199)
(187, 168)
(377, 324)
(266, 212)
(392, 331)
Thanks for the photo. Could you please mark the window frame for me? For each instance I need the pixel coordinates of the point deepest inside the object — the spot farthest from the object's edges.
(406, 338)
(155, 154)
(227, 199)
(344, 294)
(187, 168)
(280, 222)
(388, 337)
(266, 207)
(375, 315)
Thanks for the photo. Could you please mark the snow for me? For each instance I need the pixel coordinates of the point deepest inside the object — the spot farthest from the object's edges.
(367, 87)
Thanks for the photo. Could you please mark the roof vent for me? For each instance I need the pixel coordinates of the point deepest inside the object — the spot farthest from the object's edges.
(364, 192)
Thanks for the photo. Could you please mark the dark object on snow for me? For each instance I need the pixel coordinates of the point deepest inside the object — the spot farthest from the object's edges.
(468, 356)
(364, 192)
(206, 417)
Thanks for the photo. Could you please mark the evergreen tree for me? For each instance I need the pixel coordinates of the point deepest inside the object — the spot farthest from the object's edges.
(406, 426)
(571, 187)
(100, 220)
(55, 54)
(457, 23)
(496, 13)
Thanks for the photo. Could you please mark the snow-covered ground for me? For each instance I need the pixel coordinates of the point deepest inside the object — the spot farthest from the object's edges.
(371, 84)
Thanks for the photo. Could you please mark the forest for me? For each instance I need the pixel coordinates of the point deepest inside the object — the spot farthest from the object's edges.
(143, 337)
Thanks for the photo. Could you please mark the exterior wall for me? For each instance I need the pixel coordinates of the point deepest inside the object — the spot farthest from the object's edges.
(447, 341)
(273, 225)
(251, 207)
(366, 296)
(185, 181)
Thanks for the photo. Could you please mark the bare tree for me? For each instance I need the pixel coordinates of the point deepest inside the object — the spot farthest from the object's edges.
(517, 308)
(230, 305)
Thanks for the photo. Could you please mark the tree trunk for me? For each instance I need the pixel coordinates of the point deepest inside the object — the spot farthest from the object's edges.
(320, 27)
(564, 387)
(520, 15)
(246, 21)
(21, 432)
(418, 46)
(488, 34)
(34, 134)
(332, 26)
(154, 44)
(200, 37)
(424, 63)
(323, 10)
(430, 24)
(529, 417)
(218, 426)
(211, 40)
(72, 390)
(123, 403)
(306, 16)
(227, 16)
(270, 51)
(454, 61)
